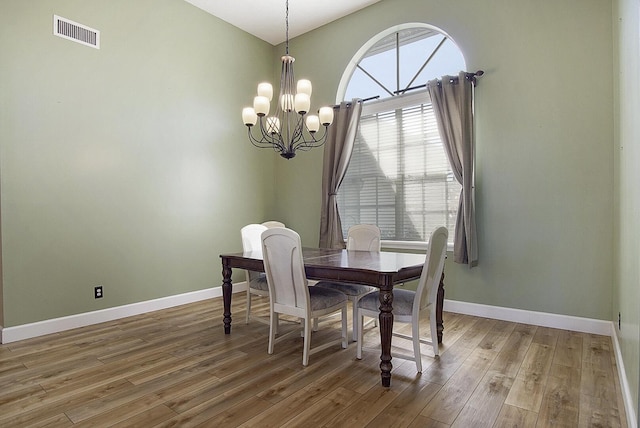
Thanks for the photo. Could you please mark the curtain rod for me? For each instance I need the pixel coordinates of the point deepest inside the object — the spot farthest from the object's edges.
(471, 76)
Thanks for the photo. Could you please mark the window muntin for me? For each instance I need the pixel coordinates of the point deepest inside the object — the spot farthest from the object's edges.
(406, 58)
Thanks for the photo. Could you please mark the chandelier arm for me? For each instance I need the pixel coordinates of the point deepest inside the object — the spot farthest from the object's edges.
(259, 143)
(313, 142)
(265, 140)
(298, 132)
(305, 142)
(270, 138)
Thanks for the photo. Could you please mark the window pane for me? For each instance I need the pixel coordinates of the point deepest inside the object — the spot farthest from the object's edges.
(399, 176)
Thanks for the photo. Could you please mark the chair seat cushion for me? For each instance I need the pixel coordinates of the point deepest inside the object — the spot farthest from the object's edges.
(402, 301)
(323, 298)
(346, 288)
(259, 283)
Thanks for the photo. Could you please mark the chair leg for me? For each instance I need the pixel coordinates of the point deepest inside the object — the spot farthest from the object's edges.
(248, 306)
(360, 321)
(273, 326)
(307, 342)
(355, 316)
(416, 345)
(434, 331)
(345, 336)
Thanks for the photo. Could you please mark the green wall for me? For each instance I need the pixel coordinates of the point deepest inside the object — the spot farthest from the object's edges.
(544, 144)
(126, 166)
(626, 292)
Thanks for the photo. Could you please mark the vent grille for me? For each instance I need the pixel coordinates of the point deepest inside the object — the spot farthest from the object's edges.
(70, 30)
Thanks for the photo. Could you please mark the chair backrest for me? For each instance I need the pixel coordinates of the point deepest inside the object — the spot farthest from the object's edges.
(283, 263)
(427, 290)
(251, 237)
(364, 237)
(272, 223)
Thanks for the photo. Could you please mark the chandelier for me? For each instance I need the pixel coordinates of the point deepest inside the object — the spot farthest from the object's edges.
(290, 128)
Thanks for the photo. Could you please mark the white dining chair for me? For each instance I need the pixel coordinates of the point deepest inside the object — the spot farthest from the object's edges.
(273, 223)
(408, 305)
(256, 281)
(290, 294)
(361, 237)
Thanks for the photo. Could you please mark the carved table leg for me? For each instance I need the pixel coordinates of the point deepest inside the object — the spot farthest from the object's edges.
(386, 330)
(226, 296)
(439, 304)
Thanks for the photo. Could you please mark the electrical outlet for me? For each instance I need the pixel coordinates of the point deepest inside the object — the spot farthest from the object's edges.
(619, 321)
(97, 292)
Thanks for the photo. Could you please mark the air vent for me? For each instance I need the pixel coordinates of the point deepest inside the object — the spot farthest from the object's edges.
(70, 30)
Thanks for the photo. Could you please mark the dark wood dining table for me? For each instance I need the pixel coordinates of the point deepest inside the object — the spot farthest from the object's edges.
(383, 270)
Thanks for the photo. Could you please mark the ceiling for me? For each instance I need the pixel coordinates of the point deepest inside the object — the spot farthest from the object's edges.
(266, 18)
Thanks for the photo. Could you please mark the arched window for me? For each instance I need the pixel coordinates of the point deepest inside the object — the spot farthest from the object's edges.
(399, 177)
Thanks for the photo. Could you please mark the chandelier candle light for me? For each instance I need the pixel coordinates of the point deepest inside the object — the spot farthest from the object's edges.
(291, 128)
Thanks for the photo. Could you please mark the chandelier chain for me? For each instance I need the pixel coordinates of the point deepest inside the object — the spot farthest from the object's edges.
(286, 20)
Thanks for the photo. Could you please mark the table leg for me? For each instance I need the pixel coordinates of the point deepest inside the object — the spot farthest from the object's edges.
(226, 296)
(386, 330)
(439, 304)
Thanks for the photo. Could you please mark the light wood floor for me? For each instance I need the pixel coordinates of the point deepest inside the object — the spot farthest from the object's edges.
(176, 368)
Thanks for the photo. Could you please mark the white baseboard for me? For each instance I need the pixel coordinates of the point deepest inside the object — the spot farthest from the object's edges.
(564, 322)
(543, 319)
(629, 405)
(55, 325)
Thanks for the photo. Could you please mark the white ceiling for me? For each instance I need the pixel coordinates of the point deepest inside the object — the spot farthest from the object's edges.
(266, 18)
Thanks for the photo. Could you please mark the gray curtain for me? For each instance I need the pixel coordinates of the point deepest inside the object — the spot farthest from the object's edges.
(337, 153)
(452, 99)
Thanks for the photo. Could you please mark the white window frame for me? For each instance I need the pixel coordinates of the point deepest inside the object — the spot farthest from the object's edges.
(387, 104)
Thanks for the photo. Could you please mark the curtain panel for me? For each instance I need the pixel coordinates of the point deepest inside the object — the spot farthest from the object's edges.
(337, 153)
(452, 100)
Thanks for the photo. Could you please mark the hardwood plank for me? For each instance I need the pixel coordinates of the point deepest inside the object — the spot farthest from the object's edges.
(510, 358)
(128, 409)
(561, 402)
(483, 407)
(598, 400)
(364, 410)
(304, 397)
(597, 370)
(65, 366)
(487, 395)
(528, 388)
(451, 359)
(569, 349)
(424, 422)
(201, 406)
(453, 396)
(328, 407)
(406, 408)
(598, 412)
(239, 413)
(511, 417)
(35, 411)
(150, 417)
